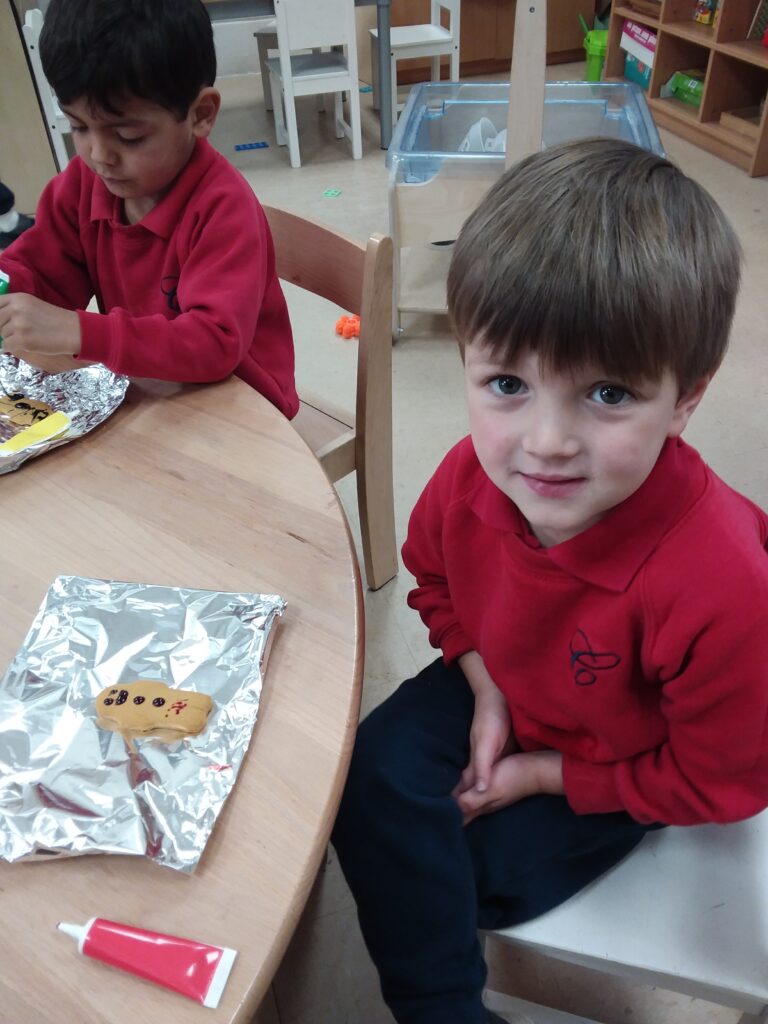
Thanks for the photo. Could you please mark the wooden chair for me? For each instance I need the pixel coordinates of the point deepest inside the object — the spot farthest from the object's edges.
(686, 911)
(359, 279)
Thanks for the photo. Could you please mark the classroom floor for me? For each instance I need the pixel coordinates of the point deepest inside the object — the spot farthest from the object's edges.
(326, 977)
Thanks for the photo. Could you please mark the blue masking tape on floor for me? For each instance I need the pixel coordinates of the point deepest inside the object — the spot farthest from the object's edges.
(251, 145)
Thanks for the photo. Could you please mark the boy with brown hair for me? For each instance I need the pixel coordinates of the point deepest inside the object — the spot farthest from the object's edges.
(148, 217)
(599, 596)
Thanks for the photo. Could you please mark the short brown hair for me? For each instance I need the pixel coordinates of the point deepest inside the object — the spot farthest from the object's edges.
(598, 252)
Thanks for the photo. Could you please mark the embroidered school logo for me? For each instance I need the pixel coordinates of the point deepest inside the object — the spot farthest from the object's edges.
(587, 662)
(168, 287)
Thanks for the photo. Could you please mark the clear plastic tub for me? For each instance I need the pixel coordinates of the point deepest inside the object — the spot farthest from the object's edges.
(448, 150)
(438, 116)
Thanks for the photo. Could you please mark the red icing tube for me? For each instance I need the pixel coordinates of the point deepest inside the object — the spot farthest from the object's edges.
(194, 969)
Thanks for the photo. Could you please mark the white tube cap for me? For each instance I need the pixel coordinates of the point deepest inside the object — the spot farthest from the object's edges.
(77, 931)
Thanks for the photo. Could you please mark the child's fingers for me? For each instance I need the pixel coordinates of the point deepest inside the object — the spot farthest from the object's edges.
(472, 804)
(466, 781)
(482, 763)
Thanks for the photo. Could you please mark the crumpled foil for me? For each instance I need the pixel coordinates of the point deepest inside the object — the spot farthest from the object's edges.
(68, 787)
(88, 395)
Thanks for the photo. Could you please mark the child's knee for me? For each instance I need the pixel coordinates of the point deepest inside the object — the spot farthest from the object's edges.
(401, 763)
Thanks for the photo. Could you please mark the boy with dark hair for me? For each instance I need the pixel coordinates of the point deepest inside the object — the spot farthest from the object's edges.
(598, 594)
(150, 219)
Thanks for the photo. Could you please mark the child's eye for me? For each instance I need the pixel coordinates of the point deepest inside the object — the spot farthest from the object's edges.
(134, 141)
(76, 128)
(610, 394)
(506, 385)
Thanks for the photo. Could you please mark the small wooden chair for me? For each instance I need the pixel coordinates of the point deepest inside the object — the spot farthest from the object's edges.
(687, 911)
(359, 279)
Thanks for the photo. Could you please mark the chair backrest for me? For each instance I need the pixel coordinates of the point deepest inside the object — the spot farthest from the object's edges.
(452, 6)
(306, 25)
(57, 123)
(359, 279)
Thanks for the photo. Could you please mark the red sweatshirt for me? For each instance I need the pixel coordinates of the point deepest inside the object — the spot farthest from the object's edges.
(189, 293)
(639, 648)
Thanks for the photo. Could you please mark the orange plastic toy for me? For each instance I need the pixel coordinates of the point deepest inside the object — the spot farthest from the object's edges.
(348, 326)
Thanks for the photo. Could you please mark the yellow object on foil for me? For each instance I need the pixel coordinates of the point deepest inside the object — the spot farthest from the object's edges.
(45, 430)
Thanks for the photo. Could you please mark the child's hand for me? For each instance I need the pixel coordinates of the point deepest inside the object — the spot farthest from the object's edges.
(491, 735)
(512, 779)
(490, 738)
(28, 324)
(53, 364)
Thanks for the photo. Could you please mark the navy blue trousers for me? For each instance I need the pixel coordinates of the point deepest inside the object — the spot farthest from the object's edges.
(423, 883)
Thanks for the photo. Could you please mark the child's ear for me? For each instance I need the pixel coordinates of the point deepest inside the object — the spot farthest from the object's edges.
(204, 111)
(686, 405)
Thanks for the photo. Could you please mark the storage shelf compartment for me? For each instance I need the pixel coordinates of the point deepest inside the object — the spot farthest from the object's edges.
(681, 13)
(644, 19)
(735, 86)
(749, 50)
(712, 137)
(744, 121)
(735, 20)
(675, 108)
(703, 35)
(674, 53)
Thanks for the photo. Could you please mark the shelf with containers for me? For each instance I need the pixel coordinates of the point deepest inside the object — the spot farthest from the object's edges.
(726, 113)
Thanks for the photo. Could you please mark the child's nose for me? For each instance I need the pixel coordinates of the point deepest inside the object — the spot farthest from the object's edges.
(102, 151)
(550, 434)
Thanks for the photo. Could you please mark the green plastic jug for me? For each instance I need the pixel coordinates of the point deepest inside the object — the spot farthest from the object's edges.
(595, 44)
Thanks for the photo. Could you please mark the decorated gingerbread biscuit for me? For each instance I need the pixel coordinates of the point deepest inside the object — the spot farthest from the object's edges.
(22, 411)
(149, 708)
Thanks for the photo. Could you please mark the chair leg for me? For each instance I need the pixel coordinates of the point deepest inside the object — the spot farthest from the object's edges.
(375, 488)
(276, 90)
(264, 43)
(455, 64)
(435, 62)
(354, 121)
(377, 524)
(292, 127)
(393, 73)
(375, 73)
(338, 115)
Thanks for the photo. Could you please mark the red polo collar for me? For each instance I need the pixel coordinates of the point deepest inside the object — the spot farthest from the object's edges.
(611, 552)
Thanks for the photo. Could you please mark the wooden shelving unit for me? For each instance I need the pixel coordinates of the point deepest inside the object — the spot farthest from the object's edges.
(729, 121)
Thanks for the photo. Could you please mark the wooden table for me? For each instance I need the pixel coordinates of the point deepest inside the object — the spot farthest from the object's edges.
(203, 487)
